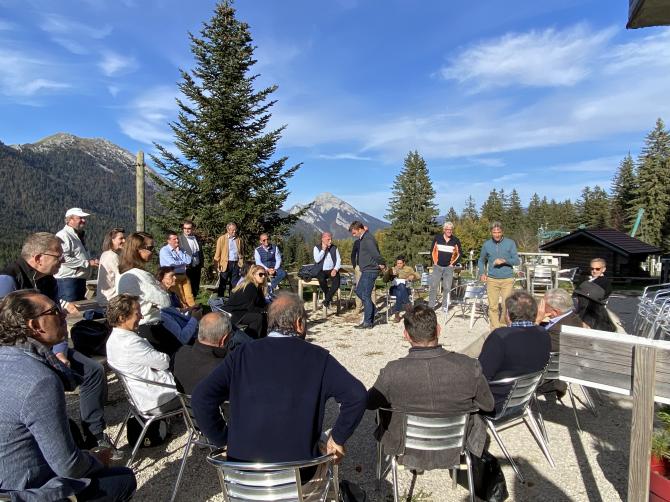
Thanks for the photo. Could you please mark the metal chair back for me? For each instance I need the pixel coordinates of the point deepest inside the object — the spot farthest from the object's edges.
(520, 394)
(217, 305)
(277, 482)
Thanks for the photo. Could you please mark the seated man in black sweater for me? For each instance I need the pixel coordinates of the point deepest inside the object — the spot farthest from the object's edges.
(278, 387)
(520, 348)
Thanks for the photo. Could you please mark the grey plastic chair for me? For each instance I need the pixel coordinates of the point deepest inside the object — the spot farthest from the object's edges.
(426, 432)
(517, 409)
(144, 418)
(276, 482)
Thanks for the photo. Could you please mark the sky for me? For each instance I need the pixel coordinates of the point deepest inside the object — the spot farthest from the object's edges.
(545, 97)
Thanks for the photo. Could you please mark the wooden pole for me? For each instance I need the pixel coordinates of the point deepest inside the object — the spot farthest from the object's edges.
(644, 370)
(139, 191)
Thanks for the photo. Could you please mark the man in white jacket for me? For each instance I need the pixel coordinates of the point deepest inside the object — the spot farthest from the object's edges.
(76, 268)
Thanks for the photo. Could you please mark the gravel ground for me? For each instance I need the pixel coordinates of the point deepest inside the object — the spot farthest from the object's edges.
(591, 466)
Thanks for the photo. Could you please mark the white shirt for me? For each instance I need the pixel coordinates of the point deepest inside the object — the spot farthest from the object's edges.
(76, 255)
(328, 262)
(233, 254)
(108, 273)
(132, 354)
(153, 297)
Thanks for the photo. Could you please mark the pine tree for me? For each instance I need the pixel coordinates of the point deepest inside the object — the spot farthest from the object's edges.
(594, 208)
(227, 170)
(470, 209)
(514, 212)
(493, 209)
(452, 215)
(412, 211)
(653, 186)
(535, 217)
(623, 194)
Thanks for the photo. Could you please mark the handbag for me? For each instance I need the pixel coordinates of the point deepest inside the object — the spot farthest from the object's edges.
(306, 272)
(489, 479)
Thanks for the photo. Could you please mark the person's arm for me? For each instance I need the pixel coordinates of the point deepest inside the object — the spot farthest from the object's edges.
(483, 398)
(318, 254)
(207, 399)
(217, 254)
(277, 258)
(140, 351)
(354, 253)
(491, 356)
(338, 260)
(378, 392)
(44, 414)
(513, 258)
(257, 259)
(481, 264)
(350, 394)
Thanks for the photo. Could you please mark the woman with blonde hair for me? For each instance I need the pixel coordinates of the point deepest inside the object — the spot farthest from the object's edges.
(247, 302)
(108, 270)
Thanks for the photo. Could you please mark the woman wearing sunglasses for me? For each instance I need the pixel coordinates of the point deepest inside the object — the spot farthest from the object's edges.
(135, 280)
(247, 302)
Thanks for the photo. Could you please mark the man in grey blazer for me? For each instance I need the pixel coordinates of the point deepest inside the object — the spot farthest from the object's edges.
(430, 379)
(190, 245)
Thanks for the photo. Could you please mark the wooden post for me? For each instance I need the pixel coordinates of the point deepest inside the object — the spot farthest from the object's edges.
(139, 191)
(644, 369)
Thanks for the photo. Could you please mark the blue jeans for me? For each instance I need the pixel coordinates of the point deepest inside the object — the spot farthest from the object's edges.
(112, 484)
(280, 275)
(401, 293)
(71, 289)
(364, 291)
(92, 392)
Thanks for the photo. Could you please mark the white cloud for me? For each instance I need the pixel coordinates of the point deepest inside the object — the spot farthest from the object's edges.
(507, 177)
(545, 58)
(601, 164)
(344, 156)
(56, 24)
(113, 64)
(147, 117)
(487, 161)
(25, 75)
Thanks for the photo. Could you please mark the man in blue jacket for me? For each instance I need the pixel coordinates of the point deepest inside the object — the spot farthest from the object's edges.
(496, 259)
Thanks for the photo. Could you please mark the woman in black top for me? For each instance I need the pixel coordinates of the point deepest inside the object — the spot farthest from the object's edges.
(247, 302)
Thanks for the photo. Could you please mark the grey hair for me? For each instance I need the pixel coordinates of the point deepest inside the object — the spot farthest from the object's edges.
(284, 311)
(521, 306)
(120, 307)
(213, 327)
(38, 243)
(448, 224)
(559, 299)
(496, 224)
(600, 260)
(16, 309)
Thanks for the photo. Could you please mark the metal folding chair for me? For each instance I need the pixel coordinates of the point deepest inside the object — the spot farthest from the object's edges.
(277, 482)
(470, 296)
(144, 418)
(427, 432)
(517, 409)
(541, 276)
(567, 275)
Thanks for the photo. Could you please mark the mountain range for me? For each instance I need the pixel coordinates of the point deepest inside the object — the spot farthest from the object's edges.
(42, 180)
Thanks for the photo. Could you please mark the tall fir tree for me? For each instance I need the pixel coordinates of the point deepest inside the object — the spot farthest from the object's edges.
(623, 194)
(412, 211)
(594, 208)
(653, 187)
(535, 217)
(227, 169)
(514, 212)
(493, 209)
(452, 215)
(470, 209)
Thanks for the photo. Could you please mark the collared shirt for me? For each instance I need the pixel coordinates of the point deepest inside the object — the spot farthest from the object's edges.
(522, 324)
(557, 319)
(233, 255)
(174, 258)
(328, 261)
(257, 257)
(195, 248)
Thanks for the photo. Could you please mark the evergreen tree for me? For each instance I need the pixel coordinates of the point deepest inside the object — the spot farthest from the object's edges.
(535, 217)
(493, 208)
(653, 186)
(412, 211)
(594, 208)
(514, 212)
(452, 215)
(470, 209)
(227, 170)
(623, 194)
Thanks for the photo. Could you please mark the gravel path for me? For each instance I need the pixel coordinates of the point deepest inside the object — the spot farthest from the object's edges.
(591, 466)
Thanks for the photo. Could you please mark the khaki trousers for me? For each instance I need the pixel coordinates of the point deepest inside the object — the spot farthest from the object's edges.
(498, 290)
(182, 289)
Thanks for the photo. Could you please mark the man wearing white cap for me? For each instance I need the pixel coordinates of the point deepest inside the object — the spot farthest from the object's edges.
(75, 269)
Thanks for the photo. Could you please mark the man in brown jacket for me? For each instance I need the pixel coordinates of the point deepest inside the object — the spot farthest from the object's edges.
(430, 379)
(228, 259)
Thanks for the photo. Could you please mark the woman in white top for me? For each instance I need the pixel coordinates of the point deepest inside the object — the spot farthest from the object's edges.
(128, 352)
(108, 270)
(135, 280)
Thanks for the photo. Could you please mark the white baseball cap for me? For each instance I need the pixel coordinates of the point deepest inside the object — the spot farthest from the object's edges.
(76, 211)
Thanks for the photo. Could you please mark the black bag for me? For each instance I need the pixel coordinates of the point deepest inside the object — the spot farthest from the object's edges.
(488, 477)
(351, 492)
(156, 434)
(90, 337)
(307, 272)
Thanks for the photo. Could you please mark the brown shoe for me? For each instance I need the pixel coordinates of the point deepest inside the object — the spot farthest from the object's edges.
(396, 318)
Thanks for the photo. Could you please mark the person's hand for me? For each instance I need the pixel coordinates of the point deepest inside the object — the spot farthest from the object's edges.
(93, 263)
(271, 271)
(499, 261)
(333, 273)
(382, 267)
(483, 277)
(63, 358)
(104, 455)
(71, 308)
(332, 448)
(324, 246)
(540, 312)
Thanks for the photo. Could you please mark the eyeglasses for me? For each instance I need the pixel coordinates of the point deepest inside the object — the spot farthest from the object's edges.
(55, 310)
(59, 256)
(597, 269)
(149, 248)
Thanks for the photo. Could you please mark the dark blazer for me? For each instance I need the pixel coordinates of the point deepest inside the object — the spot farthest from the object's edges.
(278, 388)
(431, 379)
(513, 351)
(184, 246)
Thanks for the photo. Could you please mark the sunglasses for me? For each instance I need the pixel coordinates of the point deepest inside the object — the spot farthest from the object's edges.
(597, 269)
(55, 310)
(261, 274)
(149, 248)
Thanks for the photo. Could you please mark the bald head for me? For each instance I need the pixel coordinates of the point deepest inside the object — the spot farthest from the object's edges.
(214, 328)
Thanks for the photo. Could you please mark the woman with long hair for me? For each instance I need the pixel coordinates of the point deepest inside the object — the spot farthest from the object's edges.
(135, 280)
(108, 270)
(247, 302)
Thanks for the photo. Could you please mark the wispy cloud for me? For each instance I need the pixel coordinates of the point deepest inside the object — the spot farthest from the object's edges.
(25, 75)
(546, 58)
(147, 118)
(487, 161)
(507, 177)
(602, 164)
(344, 156)
(72, 35)
(113, 64)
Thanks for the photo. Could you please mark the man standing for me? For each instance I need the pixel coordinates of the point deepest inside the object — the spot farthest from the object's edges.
(429, 379)
(228, 259)
(216, 340)
(171, 255)
(75, 270)
(41, 257)
(598, 268)
(278, 387)
(445, 251)
(35, 439)
(190, 244)
(371, 262)
(268, 256)
(517, 350)
(496, 259)
(328, 257)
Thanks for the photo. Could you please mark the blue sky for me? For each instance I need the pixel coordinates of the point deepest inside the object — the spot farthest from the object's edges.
(543, 96)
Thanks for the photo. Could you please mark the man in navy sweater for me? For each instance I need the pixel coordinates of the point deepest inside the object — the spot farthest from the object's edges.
(278, 387)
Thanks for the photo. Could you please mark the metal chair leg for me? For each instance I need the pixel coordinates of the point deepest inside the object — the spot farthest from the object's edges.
(589, 402)
(139, 441)
(379, 465)
(498, 439)
(187, 448)
(537, 434)
(471, 481)
(540, 419)
(394, 473)
(123, 426)
(574, 408)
